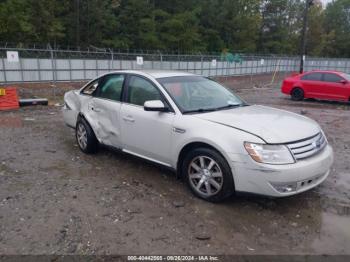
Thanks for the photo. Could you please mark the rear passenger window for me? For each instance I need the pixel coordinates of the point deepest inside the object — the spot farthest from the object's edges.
(91, 88)
(332, 78)
(312, 77)
(111, 88)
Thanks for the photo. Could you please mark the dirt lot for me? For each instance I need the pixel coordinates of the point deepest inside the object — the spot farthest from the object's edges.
(56, 200)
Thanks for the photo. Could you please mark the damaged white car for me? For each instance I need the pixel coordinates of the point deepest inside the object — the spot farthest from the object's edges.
(219, 144)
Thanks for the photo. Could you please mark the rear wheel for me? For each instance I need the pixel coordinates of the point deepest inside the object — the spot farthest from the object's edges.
(297, 94)
(85, 136)
(208, 174)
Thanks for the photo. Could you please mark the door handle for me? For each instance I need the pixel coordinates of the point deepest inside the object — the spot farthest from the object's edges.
(95, 109)
(128, 119)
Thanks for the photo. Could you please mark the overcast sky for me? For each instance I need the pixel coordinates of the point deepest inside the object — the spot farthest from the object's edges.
(326, 1)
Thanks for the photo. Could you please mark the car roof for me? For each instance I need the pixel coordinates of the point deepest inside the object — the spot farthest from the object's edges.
(166, 73)
(156, 73)
(324, 71)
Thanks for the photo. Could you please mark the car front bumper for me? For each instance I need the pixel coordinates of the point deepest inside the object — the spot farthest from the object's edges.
(281, 180)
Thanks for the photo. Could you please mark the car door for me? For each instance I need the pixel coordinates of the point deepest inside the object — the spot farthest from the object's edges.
(334, 88)
(312, 83)
(145, 133)
(104, 110)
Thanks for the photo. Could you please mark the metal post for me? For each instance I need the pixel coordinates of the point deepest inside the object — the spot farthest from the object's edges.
(132, 61)
(39, 70)
(161, 60)
(21, 68)
(195, 67)
(84, 68)
(53, 66)
(201, 64)
(96, 66)
(308, 3)
(210, 64)
(70, 69)
(112, 57)
(227, 69)
(4, 67)
(251, 70)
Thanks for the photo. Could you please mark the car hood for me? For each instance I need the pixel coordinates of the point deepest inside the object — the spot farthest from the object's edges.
(272, 125)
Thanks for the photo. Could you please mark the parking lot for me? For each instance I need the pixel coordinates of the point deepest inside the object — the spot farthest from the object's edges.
(55, 199)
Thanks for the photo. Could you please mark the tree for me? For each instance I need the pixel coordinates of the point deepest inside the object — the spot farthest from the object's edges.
(137, 28)
(280, 27)
(337, 25)
(179, 32)
(316, 37)
(47, 21)
(266, 26)
(15, 25)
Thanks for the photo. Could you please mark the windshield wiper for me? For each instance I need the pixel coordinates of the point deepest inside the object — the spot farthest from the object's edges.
(230, 106)
(203, 110)
(200, 110)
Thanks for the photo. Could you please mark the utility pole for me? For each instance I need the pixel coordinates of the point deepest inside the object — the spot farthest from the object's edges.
(78, 24)
(308, 4)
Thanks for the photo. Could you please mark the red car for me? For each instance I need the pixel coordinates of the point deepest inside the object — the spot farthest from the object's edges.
(329, 85)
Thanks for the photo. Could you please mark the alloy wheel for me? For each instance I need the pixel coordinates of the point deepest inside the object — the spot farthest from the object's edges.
(205, 176)
(82, 136)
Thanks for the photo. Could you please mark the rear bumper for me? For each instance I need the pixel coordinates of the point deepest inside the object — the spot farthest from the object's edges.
(282, 180)
(69, 116)
(285, 90)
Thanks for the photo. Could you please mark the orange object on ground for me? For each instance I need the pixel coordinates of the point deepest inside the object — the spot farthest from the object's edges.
(10, 99)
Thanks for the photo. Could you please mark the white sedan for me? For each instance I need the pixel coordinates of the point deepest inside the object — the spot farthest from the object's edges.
(219, 144)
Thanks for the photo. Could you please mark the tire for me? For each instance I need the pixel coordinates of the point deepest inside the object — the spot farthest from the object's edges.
(297, 94)
(211, 181)
(85, 137)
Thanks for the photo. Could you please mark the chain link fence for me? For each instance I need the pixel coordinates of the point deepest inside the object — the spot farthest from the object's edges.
(49, 65)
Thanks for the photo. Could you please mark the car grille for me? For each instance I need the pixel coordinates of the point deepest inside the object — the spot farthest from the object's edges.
(308, 147)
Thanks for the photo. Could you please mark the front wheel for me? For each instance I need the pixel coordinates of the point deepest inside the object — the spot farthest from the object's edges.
(208, 174)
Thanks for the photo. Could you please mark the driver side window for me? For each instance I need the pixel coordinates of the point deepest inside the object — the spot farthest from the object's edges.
(140, 90)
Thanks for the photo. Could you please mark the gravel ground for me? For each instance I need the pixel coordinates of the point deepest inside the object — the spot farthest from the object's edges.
(56, 200)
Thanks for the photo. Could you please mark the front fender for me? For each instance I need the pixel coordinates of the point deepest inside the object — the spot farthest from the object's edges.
(227, 140)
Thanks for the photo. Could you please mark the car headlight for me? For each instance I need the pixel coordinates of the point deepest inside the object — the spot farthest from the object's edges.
(269, 154)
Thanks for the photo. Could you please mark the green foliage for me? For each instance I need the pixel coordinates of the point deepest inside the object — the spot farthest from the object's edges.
(15, 22)
(266, 26)
(337, 27)
(280, 26)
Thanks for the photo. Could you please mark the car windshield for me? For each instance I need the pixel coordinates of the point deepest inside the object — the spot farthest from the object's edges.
(346, 76)
(198, 94)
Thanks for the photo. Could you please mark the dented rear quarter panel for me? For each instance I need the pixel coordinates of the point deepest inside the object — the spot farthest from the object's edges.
(72, 106)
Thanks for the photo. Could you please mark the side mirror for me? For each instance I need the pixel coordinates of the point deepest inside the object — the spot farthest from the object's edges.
(343, 81)
(155, 106)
